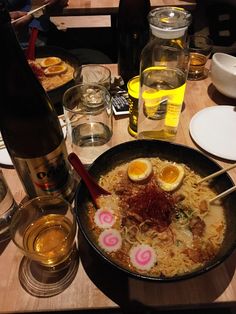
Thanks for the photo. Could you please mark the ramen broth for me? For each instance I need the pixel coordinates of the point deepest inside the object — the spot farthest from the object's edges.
(153, 232)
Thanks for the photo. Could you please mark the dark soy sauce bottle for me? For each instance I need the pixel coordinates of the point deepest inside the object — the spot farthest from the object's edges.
(29, 125)
(133, 34)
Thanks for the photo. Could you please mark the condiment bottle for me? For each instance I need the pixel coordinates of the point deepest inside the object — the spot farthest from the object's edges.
(133, 34)
(163, 73)
(29, 125)
(133, 92)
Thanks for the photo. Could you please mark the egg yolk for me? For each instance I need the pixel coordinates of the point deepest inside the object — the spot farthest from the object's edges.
(137, 168)
(51, 61)
(55, 68)
(169, 174)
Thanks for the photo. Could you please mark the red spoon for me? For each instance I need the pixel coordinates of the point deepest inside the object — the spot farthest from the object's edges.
(95, 190)
(30, 52)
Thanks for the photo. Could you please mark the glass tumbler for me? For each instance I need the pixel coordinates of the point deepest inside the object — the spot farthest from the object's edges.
(44, 230)
(88, 115)
(200, 48)
(93, 73)
(8, 207)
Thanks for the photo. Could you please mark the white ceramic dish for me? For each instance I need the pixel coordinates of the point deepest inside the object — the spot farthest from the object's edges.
(214, 129)
(5, 159)
(223, 73)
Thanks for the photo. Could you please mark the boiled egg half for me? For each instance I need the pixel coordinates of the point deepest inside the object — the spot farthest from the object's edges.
(49, 61)
(56, 69)
(139, 169)
(170, 176)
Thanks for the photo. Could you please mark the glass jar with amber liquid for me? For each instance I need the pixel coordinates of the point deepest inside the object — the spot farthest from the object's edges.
(163, 73)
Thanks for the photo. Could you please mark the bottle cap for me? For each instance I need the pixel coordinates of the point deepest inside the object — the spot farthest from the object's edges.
(169, 22)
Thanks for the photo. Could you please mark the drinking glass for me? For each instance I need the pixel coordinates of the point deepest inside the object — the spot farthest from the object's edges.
(200, 48)
(7, 208)
(93, 73)
(88, 116)
(44, 229)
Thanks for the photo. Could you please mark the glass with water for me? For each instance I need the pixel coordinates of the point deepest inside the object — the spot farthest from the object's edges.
(88, 115)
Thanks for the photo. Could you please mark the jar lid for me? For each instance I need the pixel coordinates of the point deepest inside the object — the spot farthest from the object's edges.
(133, 86)
(169, 22)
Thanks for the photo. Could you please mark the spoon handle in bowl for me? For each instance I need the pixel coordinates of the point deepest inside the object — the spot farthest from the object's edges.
(94, 189)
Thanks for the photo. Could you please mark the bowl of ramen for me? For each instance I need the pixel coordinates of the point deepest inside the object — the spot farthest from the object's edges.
(54, 67)
(157, 223)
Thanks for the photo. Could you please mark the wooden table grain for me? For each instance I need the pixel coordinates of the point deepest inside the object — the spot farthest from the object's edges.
(217, 287)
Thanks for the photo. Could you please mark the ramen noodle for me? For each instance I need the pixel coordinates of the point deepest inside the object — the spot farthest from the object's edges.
(52, 80)
(150, 231)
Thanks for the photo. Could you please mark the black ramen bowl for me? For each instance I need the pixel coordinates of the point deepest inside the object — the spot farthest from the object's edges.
(128, 151)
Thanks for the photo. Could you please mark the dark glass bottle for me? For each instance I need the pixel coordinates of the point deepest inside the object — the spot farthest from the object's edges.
(133, 34)
(29, 125)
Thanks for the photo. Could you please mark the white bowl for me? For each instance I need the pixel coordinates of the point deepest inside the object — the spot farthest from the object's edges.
(223, 73)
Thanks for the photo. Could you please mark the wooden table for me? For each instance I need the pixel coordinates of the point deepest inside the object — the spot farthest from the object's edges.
(217, 287)
(78, 7)
(100, 13)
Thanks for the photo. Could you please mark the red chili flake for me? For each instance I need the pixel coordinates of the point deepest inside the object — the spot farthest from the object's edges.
(154, 204)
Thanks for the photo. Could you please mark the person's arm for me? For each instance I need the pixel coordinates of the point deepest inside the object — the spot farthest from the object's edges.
(22, 22)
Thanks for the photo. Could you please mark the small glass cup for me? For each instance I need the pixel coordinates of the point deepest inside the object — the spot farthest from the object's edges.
(88, 116)
(93, 73)
(44, 229)
(8, 207)
(200, 48)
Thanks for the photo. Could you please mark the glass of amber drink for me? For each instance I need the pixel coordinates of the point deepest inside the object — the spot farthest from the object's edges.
(44, 229)
(200, 48)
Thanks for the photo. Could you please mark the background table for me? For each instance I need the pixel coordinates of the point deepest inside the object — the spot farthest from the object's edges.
(111, 6)
(99, 13)
(81, 7)
(215, 287)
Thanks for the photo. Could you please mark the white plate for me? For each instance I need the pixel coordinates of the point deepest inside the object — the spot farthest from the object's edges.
(214, 129)
(5, 159)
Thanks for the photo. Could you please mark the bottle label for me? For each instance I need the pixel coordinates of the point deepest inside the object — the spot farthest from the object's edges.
(49, 174)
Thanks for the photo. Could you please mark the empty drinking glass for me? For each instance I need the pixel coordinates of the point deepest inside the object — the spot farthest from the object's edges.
(93, 73)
